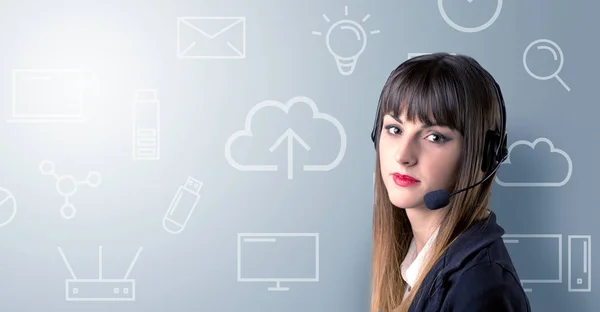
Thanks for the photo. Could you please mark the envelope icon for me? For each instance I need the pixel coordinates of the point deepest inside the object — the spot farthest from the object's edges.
(211, 37)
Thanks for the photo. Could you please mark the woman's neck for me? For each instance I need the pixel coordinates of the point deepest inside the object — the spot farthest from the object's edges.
(424, 222)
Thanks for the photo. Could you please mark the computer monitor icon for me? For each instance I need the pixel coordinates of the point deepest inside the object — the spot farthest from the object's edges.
(536, 257)
(47, 95)
(278, 257)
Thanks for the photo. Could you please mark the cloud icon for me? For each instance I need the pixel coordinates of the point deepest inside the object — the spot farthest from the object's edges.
(514, 172)
(289, 137)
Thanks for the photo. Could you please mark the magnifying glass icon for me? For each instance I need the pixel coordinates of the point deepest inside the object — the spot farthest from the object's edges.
(553, 48)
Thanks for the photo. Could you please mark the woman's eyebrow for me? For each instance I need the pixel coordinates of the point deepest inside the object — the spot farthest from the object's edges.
(426, 123)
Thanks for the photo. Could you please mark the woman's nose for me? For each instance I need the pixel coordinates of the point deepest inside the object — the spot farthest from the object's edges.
(406, 152)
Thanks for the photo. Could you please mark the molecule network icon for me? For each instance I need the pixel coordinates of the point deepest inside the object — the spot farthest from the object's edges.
(67, 185)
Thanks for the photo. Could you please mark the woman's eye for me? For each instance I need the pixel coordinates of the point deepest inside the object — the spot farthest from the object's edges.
(437, 138)
(392, 129)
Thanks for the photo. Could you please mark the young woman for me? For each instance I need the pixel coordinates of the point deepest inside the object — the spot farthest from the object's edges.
(440, 136)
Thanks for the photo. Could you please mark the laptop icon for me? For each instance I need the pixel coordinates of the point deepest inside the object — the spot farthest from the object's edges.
(47, 95)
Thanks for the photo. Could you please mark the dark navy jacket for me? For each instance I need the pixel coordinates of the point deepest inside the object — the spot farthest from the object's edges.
(475, 274)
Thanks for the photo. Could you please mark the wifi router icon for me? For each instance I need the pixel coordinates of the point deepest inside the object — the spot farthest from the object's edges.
(100, 289)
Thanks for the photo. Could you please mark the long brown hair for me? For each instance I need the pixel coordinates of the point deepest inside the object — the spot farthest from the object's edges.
(449, 90)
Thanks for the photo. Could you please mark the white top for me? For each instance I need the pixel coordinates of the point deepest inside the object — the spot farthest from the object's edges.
(413, 262)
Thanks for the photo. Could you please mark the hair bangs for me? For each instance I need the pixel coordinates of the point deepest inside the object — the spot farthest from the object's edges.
(425, 93)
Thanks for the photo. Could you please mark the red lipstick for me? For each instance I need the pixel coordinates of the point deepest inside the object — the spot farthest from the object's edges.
(404, 180)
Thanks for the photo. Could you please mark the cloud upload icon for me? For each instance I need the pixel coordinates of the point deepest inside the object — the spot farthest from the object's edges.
(514, 181)
(288, 138)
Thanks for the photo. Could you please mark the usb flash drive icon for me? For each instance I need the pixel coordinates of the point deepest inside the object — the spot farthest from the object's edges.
(182, 206)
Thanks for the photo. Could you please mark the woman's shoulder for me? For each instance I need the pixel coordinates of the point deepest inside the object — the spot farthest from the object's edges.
(483, 281)
(486, 286)
(486, 270)
(481, 275)
(476, 274)
(480, 248)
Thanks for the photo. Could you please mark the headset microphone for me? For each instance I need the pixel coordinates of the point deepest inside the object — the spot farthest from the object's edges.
(441, 198)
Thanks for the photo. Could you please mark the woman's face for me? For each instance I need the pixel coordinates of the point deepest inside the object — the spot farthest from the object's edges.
(429, 154)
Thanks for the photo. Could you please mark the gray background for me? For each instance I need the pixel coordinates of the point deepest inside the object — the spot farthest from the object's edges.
(129, 45)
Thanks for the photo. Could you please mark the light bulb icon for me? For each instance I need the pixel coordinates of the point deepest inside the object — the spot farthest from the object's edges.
(346, 57)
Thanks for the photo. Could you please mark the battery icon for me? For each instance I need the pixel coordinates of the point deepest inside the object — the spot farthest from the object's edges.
(182, 206)
(146, 121)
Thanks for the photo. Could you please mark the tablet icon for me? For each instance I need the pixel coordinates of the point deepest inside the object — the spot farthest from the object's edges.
(460, 28)
(557, 54)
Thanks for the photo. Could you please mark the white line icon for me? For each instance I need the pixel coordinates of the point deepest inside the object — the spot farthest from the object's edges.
(182, 206)
(414, 54)
(47, 95)
(195, 41)
(526, 249)
(99, 289)
(278, 257)
(532, 145)
(146, 125)
(460, 28)
(346, 61)
(288, 136)
(67, 186)
(580, 272)
(7, 202)
(553, 48)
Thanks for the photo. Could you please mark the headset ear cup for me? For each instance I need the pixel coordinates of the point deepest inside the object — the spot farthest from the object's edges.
(375, 132)
(503, 149)
(375, 135)
(489, 153)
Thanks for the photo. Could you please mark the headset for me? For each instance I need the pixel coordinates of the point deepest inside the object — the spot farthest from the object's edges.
(494, 151)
